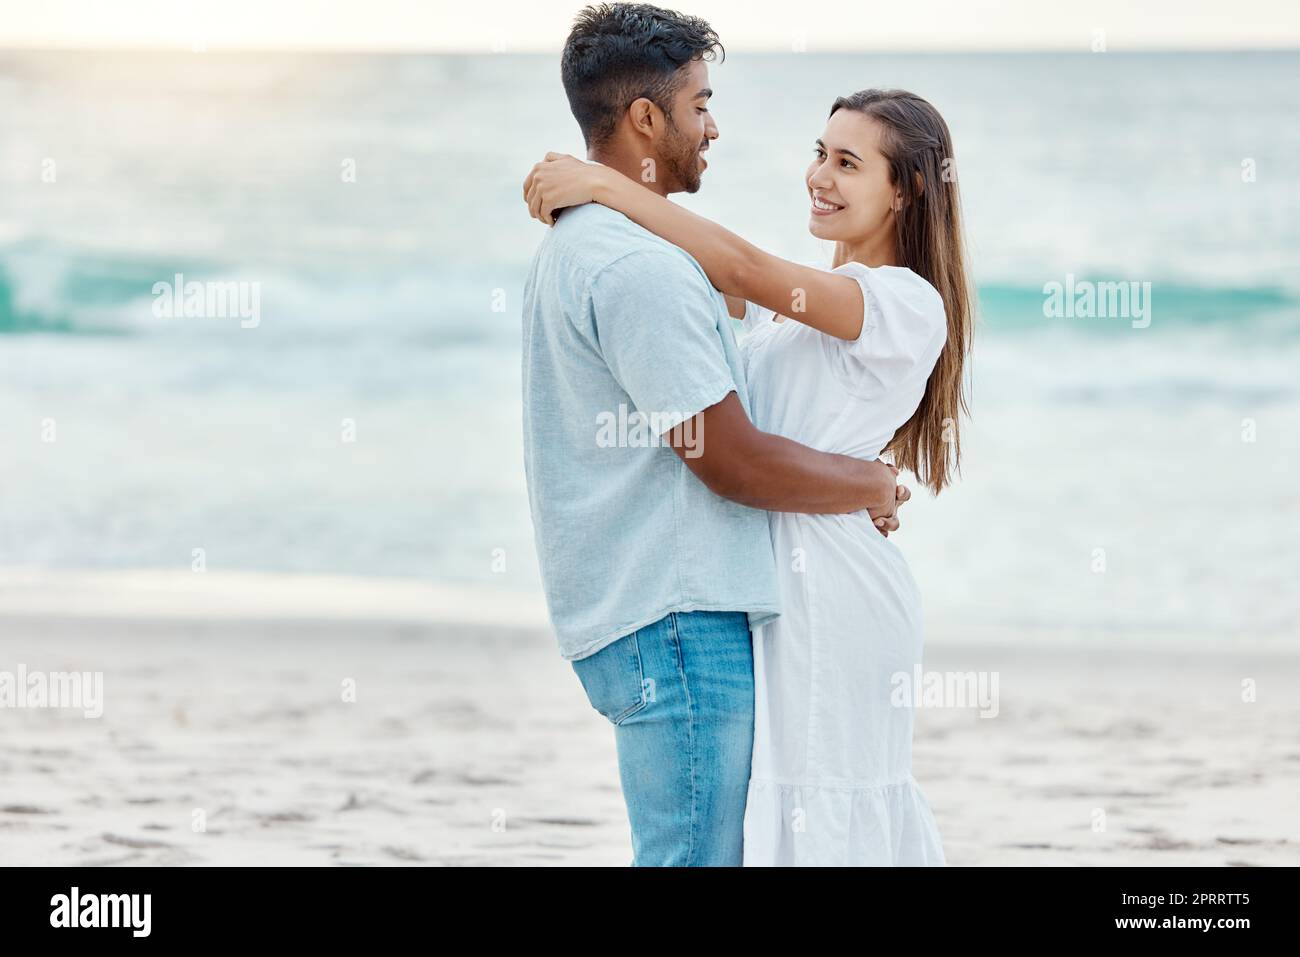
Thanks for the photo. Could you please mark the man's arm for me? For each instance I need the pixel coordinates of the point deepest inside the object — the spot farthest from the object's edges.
(739, 462)
(666, 353)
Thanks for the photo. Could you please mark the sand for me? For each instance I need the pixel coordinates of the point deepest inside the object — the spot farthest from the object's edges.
(225, 738)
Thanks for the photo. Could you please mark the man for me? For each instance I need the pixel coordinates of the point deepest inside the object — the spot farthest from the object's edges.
(654, 548)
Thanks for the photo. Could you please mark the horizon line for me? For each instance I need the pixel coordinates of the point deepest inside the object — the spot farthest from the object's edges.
(538, 51)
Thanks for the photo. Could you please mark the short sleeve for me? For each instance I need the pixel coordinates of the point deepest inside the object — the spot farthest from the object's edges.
(754, 316)
(904, 328)
(656, 320)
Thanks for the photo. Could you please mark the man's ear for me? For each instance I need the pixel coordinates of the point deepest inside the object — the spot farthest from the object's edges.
(645, 118)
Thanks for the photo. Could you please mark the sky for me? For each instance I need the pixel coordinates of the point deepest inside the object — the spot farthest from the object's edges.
(540, 25)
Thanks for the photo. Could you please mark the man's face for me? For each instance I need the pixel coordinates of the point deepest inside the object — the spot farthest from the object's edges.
(689, 131)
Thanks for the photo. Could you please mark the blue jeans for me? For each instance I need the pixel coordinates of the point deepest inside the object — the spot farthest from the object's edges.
(680, 694)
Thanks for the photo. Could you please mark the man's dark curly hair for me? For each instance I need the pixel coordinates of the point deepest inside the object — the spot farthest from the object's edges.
(619, 52)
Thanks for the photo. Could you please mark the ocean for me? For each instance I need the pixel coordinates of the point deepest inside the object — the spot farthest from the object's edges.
(1124, 475)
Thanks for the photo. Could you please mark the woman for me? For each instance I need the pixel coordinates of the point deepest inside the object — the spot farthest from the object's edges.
(862, 359)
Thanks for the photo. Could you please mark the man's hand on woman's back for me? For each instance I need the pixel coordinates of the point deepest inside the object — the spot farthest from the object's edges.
(737, 461)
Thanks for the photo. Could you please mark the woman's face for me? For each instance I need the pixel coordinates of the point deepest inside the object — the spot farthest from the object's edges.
(848, 181)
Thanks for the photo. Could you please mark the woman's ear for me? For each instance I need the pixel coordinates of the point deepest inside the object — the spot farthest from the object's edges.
(899, 201)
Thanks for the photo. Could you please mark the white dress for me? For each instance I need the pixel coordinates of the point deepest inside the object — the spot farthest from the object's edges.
(831, 781)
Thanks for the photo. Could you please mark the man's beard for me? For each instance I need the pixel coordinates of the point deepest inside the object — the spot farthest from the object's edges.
(682, 160)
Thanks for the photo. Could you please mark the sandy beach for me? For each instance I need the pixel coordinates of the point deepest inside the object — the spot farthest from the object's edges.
(226, 738)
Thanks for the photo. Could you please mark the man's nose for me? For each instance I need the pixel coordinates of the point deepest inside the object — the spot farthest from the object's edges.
(710, 127)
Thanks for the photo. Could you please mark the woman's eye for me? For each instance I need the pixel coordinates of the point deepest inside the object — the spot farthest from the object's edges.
(845, 163)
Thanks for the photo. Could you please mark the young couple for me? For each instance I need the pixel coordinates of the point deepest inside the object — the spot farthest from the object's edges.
(732, 604)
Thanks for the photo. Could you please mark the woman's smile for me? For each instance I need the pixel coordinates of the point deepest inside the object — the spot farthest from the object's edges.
(821, 207)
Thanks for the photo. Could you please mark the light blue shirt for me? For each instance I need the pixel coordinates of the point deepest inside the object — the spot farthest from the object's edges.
(623, 337)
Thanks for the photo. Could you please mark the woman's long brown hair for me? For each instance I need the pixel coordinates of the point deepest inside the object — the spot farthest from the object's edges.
(918, 147)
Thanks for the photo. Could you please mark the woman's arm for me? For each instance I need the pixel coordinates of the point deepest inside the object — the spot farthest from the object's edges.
(824, 300)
